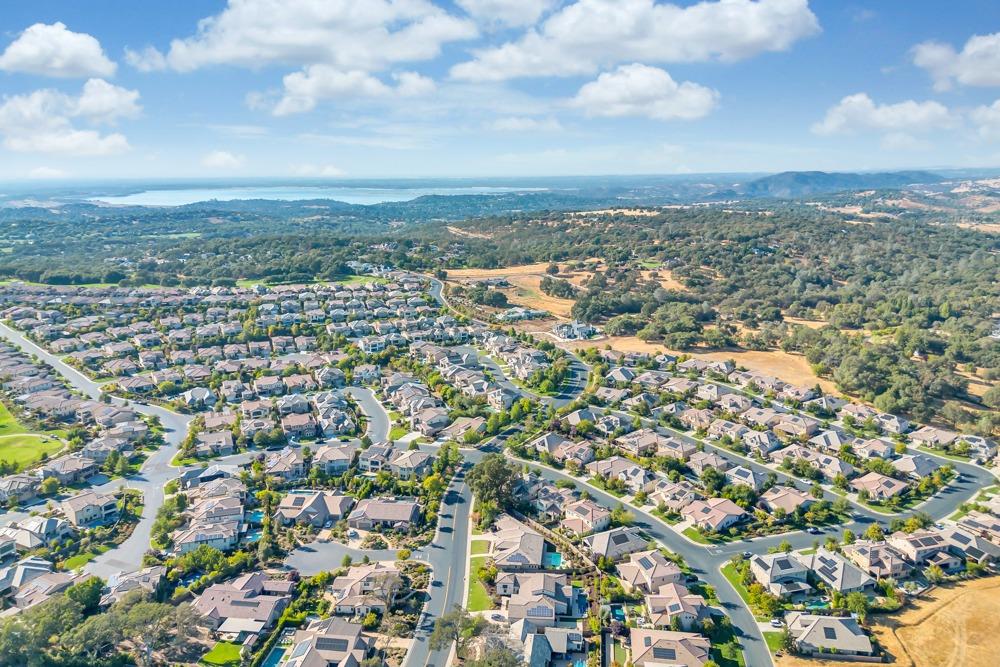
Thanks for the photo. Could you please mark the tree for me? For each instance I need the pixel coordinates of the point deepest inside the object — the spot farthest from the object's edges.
(494, 480)
(49, 486)
(857, 603)
(874, 533)
(456, 626)
(934, 574)
(87, 594)
(496, 656)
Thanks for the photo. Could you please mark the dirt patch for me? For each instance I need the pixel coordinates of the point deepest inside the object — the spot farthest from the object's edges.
(526, 280)
(812, 324)
(466, 233)
(664, 278)
(791, 368)
(986, 227)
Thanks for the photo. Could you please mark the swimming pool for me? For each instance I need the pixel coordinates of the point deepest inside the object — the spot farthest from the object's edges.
(273, 658)
(552, 559)
(618, 613)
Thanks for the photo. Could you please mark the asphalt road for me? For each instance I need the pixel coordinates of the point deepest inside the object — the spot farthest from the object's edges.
(155, 472)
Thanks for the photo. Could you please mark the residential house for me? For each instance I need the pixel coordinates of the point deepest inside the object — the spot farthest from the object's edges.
(648, 571)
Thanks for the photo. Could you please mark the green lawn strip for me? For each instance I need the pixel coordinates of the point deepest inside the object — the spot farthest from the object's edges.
(696, 536)
(773, 640)
(180, 460)
(398, 432)
(726, 650)
(224, 654)
(938, 452)
(8, 423)
(621, 655)
(479, 598)
(480, 547)
(733, 577)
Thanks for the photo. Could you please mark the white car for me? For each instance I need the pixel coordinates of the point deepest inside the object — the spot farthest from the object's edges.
(776, 623)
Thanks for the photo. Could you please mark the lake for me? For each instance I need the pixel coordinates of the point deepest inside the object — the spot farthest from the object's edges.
(349, 195)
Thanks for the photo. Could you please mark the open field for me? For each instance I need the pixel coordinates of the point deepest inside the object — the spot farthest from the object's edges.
(526, 280)
(791, 368)
(21, 447)
(955, 626)
(664, 278)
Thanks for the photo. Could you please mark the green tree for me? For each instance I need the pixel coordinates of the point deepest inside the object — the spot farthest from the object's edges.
(494, 480)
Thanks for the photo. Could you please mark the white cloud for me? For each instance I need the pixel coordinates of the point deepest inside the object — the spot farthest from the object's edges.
(104, 102)
(524, 124)
(641, 90)
(589, 34)
(978, 64)
(317, 170)
(42, 173)
(42, 121)
(303, 90)
(858, 112)
(146, 59)
(987, 120)
(346, 34)
(514, 13)
(53, 50)
(222, 160)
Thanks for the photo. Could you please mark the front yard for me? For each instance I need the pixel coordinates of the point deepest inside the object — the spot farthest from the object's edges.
(479, 597)
(223, 654)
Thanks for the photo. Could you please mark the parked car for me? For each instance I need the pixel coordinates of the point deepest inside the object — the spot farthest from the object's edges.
(776, 623)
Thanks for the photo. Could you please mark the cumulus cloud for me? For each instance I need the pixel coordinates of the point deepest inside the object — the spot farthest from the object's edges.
(514, 13)
(987, 121)
(524, 124)
(346, 34)
(317, 170)
(589, 34)
(222, 160)
(147, 59)
(303, 90)
(859, 112)
(43, 121)
(53, 50)
(977, 64)
(641, 90)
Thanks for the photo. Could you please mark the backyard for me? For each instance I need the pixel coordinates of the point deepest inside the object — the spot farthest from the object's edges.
(223, 654)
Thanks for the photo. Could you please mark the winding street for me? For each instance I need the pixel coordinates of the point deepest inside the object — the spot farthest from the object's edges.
(154, 473)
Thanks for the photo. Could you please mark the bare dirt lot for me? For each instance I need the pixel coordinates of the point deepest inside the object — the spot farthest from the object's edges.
(526, 280)
(791, 368)
(955, 626)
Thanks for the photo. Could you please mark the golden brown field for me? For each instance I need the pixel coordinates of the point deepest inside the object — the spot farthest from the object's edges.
(956, 626)
(526, 280)
(791, 368)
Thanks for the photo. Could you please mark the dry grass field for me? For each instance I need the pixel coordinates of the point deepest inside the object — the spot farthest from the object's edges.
(955, 626)
(791, 368)
(526, 280)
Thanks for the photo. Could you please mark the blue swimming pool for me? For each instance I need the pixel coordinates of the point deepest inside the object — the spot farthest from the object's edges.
(273, 658)
(256, 517)
(618, 613)
(552, 559)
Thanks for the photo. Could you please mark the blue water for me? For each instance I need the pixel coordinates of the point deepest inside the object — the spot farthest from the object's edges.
(817, 604)
(618, 613)
(273, 658)
(552, 559)
(349, 195)
(256, 517)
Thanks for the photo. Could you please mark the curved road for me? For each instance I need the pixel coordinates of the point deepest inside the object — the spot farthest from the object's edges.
(155, 472)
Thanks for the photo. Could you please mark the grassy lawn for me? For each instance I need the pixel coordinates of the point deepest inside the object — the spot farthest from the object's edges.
(179, 460)
(621, 655)
(692, 533)
(480, 547)
(942, 453)
(733, 577)
(398, 432)
(82, 559)
(21, 447)
(479, 599)
(773, 640)
(226, 654)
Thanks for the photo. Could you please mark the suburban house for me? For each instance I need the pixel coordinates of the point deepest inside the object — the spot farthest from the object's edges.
(365, 588)
(838, 573)
(878, 559)
(780, 574)
(713, 513)
(330, 642)
(516, 545)
(251, 602)
(878, 486)
(585, 516)
(315, 508)
(675, 601)
(827, 634)
(91, 509)
(392, 513)
(648, 571)
(659, 648)
(616, 543)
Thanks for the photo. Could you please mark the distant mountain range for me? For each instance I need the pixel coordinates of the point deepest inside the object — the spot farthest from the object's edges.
(790, 184)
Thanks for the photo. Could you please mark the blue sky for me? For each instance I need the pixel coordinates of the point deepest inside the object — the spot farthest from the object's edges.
(414, 88)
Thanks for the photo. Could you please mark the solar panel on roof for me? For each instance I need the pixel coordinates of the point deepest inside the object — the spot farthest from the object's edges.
(829, 633)
(331, 644)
